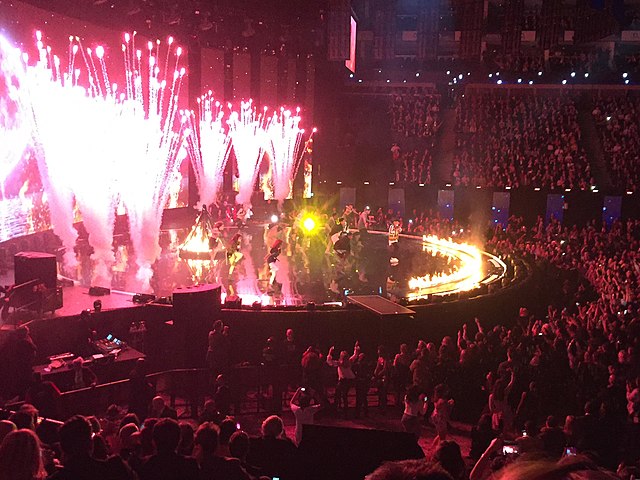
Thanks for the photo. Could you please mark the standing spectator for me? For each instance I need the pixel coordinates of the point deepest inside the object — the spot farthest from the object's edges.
(363, 371)
(499, 407)
(222, 396)
(167, 464)
(401, 372)
(304, 406)
(346, 377)
(442, 405)
(382, 378)
(290, 353)
(415, 407)
(21, 457)
(141, 391)
(217, 351)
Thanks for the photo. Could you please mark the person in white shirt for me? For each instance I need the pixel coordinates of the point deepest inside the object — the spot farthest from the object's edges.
(346, 377)
(415, 406)
(304, 406)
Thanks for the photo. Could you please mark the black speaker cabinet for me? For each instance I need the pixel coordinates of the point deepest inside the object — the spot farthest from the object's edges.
(349, 453)
(35, 266)
(194, 311)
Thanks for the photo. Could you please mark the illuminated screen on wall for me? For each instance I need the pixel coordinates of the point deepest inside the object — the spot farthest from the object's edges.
(24, 204)
(351, 62)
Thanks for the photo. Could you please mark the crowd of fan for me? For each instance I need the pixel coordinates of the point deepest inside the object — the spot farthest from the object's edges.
(509, 377)
(415, 115)
(411, 166)
(518, 142)
(617, 119)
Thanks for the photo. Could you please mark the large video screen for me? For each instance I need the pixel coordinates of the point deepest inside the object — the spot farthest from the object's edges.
(24, 205)
(353, 36)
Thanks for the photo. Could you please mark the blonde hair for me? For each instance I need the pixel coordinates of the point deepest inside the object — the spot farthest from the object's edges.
(21, 456)
(576, 468)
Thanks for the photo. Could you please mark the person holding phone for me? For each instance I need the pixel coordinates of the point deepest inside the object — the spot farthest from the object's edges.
(304, 406)
(415, 407)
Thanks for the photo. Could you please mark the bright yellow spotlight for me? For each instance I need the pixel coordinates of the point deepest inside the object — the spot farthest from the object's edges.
(309, 224)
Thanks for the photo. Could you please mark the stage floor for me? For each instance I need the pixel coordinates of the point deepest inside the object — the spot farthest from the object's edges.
(308, 269)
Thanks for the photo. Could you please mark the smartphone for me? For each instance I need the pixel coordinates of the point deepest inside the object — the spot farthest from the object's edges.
(509, 449)
(569, 451)
(302, 389)
(426, 399)
(109, 337)
(237, 426)
(524, 433)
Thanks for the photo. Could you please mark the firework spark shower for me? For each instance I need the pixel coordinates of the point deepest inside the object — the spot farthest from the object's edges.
(247, 132)
(209, 148)
(284, 135)
(98, 144)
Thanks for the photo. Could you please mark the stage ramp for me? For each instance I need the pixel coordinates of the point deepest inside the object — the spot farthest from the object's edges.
(379, 305)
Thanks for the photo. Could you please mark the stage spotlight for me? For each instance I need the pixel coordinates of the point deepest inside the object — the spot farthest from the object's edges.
(274, 218)
(309, 224)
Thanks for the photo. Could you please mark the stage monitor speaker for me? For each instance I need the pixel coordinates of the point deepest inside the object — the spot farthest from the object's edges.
(99, 291)
(194, 311)
(233, 301)
(345, 453)
(35, 266)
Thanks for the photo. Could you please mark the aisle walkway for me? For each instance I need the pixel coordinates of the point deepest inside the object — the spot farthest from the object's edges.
(445, 148)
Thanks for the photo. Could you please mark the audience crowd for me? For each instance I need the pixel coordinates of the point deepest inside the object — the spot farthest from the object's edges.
(617, 120)
(415, 115)
(519, 141)
(411, 166)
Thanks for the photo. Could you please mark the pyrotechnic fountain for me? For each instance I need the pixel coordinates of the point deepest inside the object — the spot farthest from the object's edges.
(97, 143)
(151, 157)
(209, 148)
(247, 132)
(284, 134)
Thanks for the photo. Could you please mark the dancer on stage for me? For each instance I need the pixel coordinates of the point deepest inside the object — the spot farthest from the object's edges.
(394, 235)
(271, 260)
(234, 255)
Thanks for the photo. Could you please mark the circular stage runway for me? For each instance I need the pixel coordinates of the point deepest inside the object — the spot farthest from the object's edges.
(308, 268)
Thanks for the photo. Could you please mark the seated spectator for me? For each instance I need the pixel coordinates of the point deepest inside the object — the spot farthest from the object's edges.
(239, 448)
(6, 427)
(213, 466)
(185, 447)
(160, 410)
(82, 376)
(44, 396)
(77, 462)
(275, 454)
(21, 456)
(448, 456)
(228, 427)
(167, 464)
(409, 470)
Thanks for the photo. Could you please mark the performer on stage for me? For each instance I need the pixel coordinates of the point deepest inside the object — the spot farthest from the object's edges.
(394, 235)
(234, 255)
(363, 222)
(271, 260)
